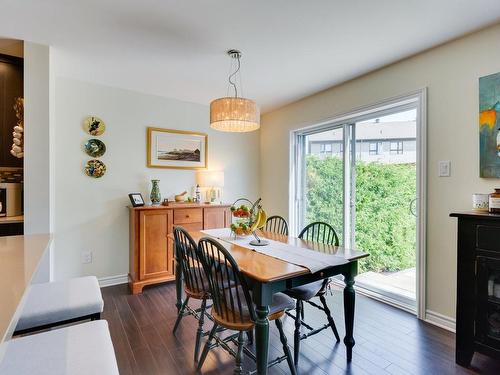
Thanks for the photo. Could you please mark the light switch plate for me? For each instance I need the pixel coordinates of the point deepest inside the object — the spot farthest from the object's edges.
(444, 168)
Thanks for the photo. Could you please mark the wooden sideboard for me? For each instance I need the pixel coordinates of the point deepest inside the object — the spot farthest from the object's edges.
(151, 251)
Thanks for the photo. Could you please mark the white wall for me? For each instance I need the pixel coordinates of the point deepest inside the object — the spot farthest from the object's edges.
(451, 74)
(37, 138)
(91, 214)
(37, 160)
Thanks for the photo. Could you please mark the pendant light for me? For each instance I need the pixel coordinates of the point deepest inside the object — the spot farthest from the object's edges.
(234, 114)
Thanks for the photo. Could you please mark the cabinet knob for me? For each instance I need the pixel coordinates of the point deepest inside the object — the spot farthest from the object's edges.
(187, 216)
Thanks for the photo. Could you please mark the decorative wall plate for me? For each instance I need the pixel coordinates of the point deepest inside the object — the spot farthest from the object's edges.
(95, 168)
(95, 148)
(94, 125)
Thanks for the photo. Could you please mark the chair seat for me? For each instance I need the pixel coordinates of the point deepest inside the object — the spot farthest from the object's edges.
(305, 292)
(280, 304)
(50, 303)
(76, 350)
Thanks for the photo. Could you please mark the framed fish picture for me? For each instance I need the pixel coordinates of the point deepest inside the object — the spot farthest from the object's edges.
(168, 148)
(489, 126)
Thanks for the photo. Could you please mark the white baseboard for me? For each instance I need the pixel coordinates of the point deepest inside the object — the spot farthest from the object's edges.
(113, 280)
(440, 320)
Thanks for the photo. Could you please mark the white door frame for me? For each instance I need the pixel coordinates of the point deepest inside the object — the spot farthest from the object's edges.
(413, 99)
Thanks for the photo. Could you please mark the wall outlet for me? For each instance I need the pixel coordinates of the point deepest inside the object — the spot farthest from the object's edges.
(444, 168)
(86, 257)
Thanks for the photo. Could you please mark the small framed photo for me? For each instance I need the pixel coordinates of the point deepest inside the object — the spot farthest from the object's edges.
(168, 148)
(136, 199)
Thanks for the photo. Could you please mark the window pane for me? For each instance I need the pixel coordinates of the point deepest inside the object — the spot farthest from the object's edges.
(324, 180)
(385, 190)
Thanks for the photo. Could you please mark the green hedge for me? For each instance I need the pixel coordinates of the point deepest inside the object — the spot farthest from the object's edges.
(385, 227)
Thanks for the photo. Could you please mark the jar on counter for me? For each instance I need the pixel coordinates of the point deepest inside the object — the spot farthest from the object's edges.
(495, 202)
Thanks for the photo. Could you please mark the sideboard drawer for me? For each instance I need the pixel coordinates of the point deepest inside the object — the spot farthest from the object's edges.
(488, 237)
(188, 215)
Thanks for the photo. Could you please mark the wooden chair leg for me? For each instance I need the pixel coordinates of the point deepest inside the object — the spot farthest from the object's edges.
(296, 334)
(286, 349)
(329, 317)
(180, 315)
(207, 346)
(199, 332)
(302, 310)
(238, 369)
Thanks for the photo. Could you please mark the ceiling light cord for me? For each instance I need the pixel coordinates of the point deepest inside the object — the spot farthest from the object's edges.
(230, 79)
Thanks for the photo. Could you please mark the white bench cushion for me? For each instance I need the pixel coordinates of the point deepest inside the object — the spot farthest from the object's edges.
(80, 349)
(49, 303)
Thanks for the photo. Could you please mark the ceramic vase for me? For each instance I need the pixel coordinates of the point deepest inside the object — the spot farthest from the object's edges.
(155, 195)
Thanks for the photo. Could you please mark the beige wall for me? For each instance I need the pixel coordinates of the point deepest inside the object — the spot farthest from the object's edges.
(450, 73)
(91, 214)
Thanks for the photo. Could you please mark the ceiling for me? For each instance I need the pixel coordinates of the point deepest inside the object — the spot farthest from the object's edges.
(291, 48)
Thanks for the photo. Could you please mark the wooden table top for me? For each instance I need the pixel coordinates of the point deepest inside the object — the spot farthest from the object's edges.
(19, 260)
(265, 268)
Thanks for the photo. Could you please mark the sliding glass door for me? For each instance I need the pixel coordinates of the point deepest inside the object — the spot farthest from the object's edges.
(361, 176)
(386, 193)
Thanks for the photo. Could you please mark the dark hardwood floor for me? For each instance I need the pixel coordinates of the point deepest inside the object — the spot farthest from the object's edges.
(388, 341)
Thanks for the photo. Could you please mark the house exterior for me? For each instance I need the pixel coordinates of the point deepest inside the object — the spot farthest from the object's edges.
(383, 142)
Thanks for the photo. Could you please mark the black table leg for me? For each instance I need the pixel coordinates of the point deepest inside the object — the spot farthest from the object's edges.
(262, 338)
(349, 301)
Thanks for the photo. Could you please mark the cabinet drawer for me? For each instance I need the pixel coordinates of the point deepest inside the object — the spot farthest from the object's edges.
(488, 238)
(188, 215)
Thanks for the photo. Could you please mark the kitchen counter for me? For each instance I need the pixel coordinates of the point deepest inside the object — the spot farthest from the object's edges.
(19, 259)
(11, 219)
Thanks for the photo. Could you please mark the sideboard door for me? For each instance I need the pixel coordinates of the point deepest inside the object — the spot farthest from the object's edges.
(155, 257)
(216, 217)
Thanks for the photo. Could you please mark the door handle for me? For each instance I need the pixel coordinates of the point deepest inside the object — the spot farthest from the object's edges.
(413, 207)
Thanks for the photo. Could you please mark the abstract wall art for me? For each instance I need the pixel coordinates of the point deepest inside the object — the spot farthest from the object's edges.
(489, 126)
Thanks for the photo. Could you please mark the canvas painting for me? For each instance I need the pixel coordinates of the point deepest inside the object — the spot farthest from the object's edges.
(169, 148)
(489, 125)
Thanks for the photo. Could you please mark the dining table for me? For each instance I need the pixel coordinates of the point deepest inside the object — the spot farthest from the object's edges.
(268, 275)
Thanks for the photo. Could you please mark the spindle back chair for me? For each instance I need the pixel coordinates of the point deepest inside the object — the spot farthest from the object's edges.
(276, 224)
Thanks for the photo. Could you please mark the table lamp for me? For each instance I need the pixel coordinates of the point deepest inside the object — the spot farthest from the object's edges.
(213, 182)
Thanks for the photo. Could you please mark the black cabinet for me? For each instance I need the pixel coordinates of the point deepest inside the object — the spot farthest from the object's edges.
(478, 286)
(11, 87)
(11, 229)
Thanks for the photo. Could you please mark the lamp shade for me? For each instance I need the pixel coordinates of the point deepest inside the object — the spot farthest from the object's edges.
(232, 114)
(210, 178)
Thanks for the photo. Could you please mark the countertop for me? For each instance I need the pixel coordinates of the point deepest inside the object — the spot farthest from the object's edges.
(19, 259)
(11, 219)
(476, 214)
